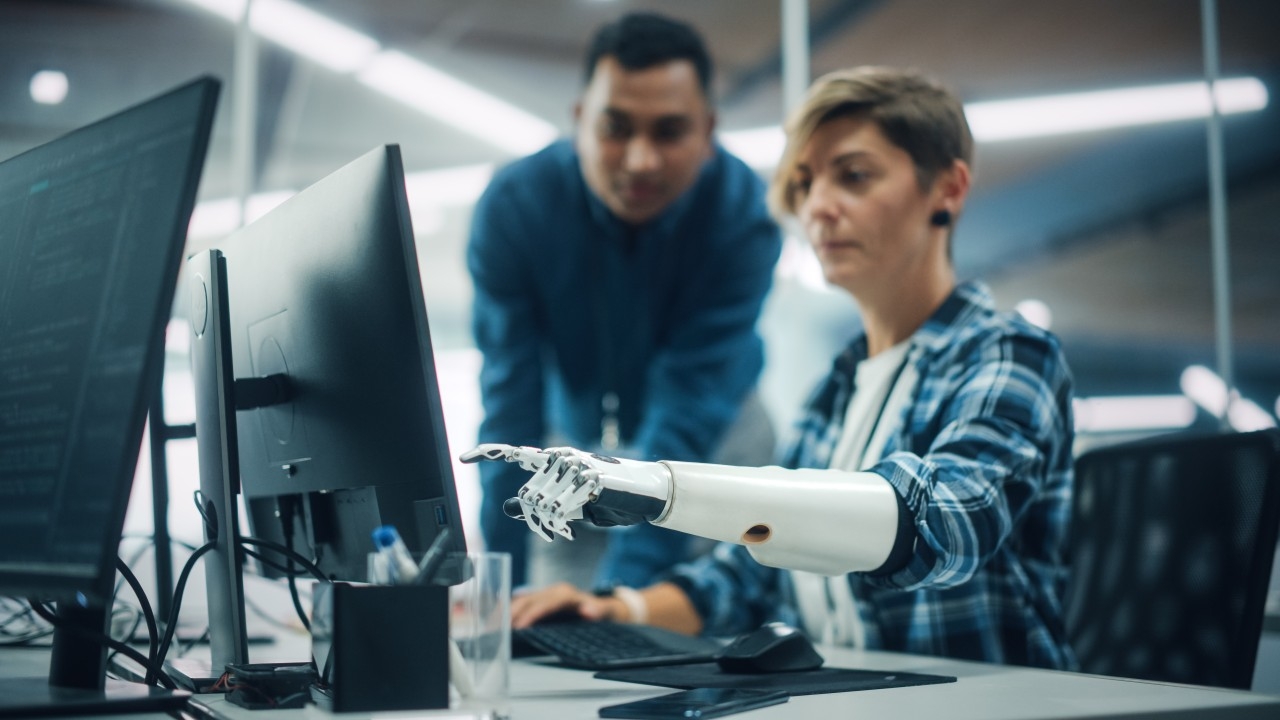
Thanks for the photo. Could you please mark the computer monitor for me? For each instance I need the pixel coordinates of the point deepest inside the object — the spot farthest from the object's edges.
(92, 227)
(323, 308)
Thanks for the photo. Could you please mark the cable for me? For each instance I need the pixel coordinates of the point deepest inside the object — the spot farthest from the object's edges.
(134, 616)
(262, 558)
(287, 519)
(297, 603)
(49, 615)
(137, 555)
(178, 590)
(153, 633)
(31, 630)
(309, 566)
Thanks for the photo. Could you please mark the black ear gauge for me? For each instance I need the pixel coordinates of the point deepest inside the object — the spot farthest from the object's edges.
(941, 218)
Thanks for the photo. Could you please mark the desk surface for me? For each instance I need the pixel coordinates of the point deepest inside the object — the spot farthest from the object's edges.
(542, 691)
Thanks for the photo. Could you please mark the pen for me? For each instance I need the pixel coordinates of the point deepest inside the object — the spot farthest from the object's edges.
(397, 566)
(432, 559)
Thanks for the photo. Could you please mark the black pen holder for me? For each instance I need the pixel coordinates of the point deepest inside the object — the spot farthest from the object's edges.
(381, 647)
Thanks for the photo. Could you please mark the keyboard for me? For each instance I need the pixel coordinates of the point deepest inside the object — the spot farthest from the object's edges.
(611, 646)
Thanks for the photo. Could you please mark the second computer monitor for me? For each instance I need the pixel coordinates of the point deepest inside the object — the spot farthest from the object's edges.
(325, 291)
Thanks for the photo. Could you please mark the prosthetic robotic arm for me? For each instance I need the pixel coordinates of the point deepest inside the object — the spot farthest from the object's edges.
(824, 521)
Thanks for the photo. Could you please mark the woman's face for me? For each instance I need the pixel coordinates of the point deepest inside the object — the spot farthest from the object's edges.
(862, 208)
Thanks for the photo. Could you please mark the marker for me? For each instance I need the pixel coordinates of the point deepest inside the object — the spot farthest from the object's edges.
(431, 561)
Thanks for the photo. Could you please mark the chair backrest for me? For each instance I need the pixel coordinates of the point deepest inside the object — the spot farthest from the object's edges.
(1172, 544)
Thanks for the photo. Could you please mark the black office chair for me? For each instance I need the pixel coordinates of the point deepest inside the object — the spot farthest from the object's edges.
(1172, 544)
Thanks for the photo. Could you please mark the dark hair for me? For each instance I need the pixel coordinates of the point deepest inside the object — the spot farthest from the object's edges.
(641, 40)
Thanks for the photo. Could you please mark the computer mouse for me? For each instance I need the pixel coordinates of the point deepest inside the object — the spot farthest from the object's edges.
(774, 647)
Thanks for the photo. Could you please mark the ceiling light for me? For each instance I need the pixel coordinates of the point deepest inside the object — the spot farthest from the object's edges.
(1247, 416)
(392, 73)
(1054, 114)
(231, 10)
(49, 87)
(312, 35)
(456, 103)
(1207, 389)
(1088, 111)
(301, 30)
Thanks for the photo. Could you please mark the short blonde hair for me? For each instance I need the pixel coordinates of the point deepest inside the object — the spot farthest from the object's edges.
(914, 112)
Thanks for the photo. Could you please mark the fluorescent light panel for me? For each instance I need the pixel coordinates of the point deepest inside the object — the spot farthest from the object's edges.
(493, 120)
(392, 73)
(456, 103)
(231, 10)
(1209, 391)
(312, 35)
(1090, 111)
(1048, 115)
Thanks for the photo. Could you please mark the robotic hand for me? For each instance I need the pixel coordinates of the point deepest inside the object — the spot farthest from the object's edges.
(569, 484)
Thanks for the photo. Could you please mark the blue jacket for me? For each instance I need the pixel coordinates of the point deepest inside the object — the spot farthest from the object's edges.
(569, 299)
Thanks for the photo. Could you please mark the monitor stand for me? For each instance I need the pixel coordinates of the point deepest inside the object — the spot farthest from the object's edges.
(35, 697)
(77, 684)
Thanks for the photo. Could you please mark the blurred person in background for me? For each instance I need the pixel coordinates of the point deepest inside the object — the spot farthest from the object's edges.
(618, 279)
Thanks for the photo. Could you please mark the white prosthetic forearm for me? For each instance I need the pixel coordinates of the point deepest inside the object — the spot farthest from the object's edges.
(829, 522)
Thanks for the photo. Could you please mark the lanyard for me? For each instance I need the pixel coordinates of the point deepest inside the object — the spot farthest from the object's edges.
(610, 402)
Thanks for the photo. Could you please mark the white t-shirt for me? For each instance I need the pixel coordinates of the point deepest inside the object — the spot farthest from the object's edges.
(884, 385)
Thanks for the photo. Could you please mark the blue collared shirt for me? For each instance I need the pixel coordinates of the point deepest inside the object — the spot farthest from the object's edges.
(982, 457)
(569, 300)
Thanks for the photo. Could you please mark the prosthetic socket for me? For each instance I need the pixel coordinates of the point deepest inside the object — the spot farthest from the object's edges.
(829, 522)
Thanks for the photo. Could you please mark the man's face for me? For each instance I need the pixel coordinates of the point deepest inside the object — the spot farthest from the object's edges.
(642, 135)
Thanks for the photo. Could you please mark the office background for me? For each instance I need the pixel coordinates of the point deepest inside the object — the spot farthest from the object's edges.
(1108, 230)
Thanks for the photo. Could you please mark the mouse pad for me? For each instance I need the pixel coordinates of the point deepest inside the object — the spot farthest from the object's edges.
(808, 682)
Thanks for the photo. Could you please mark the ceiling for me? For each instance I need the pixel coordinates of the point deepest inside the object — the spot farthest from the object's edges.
(1109, 228)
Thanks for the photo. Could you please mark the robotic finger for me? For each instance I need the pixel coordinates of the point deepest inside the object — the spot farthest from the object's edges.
(529, 458)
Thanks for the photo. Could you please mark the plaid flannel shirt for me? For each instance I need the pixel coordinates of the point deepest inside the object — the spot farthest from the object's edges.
(982, 457)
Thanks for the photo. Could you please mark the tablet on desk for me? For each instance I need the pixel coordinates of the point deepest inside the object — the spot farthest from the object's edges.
(696, 704)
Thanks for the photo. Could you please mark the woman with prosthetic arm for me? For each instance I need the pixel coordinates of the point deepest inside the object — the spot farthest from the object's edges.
(924, 505)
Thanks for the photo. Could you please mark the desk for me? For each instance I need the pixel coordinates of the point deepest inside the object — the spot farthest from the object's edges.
(542, 691)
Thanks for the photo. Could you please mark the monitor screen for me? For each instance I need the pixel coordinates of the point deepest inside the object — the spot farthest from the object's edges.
(92, 227)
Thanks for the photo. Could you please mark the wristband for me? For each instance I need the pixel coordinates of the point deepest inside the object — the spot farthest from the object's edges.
(637, 608)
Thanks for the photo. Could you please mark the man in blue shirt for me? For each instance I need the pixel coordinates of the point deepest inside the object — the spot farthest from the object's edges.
(618, 279)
